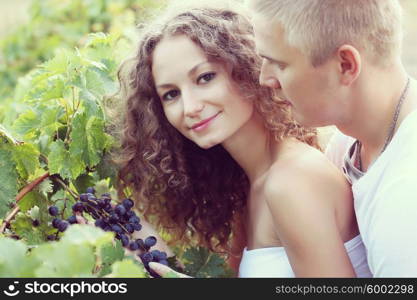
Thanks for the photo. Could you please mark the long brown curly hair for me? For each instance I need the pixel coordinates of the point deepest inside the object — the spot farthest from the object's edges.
(186, 188)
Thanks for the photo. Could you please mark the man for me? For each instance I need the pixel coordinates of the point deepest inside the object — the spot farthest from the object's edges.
(337, 62)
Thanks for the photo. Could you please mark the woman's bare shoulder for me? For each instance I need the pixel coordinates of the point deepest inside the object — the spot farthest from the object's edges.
(302, 169)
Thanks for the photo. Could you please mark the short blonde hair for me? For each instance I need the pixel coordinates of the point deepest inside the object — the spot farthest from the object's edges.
(319, 27)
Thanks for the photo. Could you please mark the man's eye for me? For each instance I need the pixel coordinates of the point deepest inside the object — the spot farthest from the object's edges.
(281, 66)
(170, 95)
(206, 77)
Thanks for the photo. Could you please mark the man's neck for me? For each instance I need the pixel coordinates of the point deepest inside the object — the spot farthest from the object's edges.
(372, 114)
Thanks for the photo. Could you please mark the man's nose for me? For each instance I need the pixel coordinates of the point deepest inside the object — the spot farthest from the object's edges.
(268, 78)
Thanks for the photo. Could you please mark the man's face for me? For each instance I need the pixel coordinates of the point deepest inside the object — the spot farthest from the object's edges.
(308, 89)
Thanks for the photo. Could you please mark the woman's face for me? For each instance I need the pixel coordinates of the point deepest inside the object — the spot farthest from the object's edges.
(199, 97)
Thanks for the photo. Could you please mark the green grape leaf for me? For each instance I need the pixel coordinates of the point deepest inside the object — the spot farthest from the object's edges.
(51, 87)
(94, 82)
(109, 254)
(62, 162)
(34, 213)
(23, 227)
(83, 182)
(199, 262)
(27, 123)
(86, 234)
(4, 133)
(90, 103)
(64, 259)
(88, 139)
(59, 63)
(127, 268)
(28, 201)
(49, 121)
(107, 169)
(64, 201)
(45, 187)
(26, 157)
(8, 181)
(14, 261)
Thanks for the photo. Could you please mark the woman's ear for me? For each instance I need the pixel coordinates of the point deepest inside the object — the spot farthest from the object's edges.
(349, 63)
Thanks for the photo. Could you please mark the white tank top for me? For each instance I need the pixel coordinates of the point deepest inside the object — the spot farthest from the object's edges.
(273, 261)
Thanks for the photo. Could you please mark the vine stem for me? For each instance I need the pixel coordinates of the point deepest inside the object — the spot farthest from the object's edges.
(75, 195)
(19, 196)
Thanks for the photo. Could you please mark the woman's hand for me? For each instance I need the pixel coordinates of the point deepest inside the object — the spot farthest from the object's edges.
(165, 271)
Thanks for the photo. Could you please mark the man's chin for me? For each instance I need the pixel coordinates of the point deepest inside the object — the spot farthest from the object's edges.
(305, 122)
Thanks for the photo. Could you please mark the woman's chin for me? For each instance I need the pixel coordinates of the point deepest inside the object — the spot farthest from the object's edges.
(207, 144)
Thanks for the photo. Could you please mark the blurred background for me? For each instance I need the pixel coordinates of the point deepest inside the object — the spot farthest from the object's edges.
(31, 30)
(14, 13)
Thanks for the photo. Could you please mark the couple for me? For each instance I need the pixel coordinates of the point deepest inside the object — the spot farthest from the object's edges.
(210, 152)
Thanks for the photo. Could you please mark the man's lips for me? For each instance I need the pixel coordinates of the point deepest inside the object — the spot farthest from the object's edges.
(202, 123)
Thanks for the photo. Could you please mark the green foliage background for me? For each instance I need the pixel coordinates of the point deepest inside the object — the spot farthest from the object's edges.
(56, 72)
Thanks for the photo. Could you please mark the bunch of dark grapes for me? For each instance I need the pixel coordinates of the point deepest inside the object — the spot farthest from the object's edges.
(119, 219)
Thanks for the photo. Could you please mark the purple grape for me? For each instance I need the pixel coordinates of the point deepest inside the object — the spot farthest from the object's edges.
(130, 214)
(106, 196)
(120, 210)
(53, 211)
(78, 207)
(134, 220)
(62, 226)
(55, 222)
(91, 190)
(125, 240)
(100, 223)
(84, 197)
(51, 237)
(129, 228)
(72, 220)
(150, 241)
(92, 198)
(133, 246)
(128, 204)
(113, 218)
(159, 255)
(117, 229)
(146, 257)
(108, 208)
(141, 244)
(102, 203)
(164, 262)
(35, 223)
(137, 227)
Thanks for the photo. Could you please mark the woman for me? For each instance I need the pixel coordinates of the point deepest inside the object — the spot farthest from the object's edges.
(209, 152)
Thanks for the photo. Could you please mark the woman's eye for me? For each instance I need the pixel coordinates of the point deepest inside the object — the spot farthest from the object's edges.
(206, 77)
(170, 95)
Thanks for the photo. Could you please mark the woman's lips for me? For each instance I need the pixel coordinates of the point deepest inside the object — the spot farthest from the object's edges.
(204, 124)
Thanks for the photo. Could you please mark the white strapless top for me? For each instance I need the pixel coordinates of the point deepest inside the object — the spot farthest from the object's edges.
(273, 261)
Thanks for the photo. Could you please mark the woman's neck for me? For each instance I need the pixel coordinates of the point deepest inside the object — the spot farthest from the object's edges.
(252, 148)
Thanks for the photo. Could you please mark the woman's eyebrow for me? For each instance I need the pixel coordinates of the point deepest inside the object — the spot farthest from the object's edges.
(190, 73)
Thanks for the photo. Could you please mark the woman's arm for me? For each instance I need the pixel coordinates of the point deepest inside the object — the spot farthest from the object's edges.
(301, 199)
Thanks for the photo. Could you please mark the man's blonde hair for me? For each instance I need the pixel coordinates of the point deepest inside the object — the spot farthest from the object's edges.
(319, 27)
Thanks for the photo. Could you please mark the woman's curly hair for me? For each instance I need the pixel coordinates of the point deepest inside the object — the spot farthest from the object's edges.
(189, 189)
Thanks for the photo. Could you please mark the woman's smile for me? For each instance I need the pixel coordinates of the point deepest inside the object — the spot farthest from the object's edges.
(205, 123)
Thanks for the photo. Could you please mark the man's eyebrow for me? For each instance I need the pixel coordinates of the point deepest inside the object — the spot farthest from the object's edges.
(271, 59)
(193, 70)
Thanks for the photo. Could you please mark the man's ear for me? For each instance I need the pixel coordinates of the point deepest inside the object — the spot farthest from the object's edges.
(349, 63)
